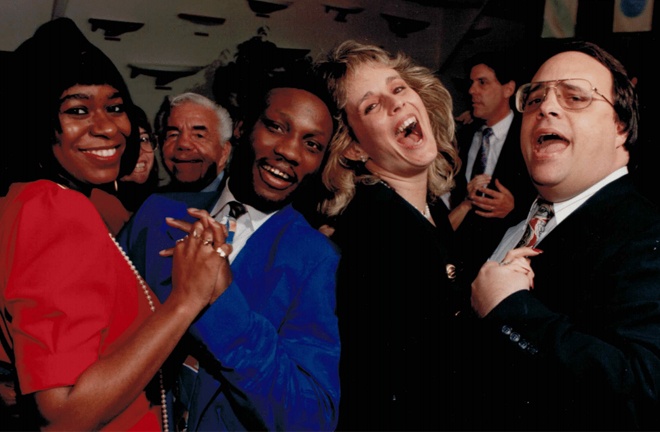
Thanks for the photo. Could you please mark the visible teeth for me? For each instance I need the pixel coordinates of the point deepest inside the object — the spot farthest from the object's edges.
(276, 172)
(103, 152)
(542, 138)
(140, 165)
(408, 125)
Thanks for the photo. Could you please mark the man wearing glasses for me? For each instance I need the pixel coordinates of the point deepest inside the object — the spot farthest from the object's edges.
(570, 300)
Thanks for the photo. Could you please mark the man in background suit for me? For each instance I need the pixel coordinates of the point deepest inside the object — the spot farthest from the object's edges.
(486, 201)
(572, 340)
(266, 353)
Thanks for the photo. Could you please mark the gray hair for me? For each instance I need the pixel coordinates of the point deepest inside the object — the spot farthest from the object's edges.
(226, 125)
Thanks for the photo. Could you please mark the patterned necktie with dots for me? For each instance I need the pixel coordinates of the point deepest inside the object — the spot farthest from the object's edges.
(537, 224)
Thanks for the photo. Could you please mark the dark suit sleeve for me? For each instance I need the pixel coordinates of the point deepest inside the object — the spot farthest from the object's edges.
(603, 354)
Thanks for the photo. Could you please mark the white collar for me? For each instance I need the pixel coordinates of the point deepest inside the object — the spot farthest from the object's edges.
(255, 216)
(565, 208)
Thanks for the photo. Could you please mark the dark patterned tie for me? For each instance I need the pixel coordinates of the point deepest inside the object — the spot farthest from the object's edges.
(482, 157)
(236, 210)
(537, 224)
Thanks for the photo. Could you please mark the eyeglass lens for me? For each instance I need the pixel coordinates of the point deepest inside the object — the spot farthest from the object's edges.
(147, 143)
(572, 94)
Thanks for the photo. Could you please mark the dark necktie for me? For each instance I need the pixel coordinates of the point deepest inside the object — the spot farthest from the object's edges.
(482, 157)
(537, 224)
(236, 210)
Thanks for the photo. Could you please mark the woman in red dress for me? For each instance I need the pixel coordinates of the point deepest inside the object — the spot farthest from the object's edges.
(79, 326)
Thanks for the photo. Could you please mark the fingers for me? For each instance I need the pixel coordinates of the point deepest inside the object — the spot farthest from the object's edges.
(224, 250)
(522, 265)
(211, 232)
(522, 252)
(216, 235)
(197, 213)
(178, 223)
(519, 260)
(201, 215)
(500, 187)
(197, 229)
(480, 179)
(496, 282)
(199, 272)
(218, 230)
(477, 183)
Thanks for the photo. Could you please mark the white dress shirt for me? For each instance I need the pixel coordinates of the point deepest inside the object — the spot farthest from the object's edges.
(500, 131)
(562, 211)
(246, 224)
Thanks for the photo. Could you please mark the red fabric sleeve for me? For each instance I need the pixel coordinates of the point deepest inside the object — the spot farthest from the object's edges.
(60, 289)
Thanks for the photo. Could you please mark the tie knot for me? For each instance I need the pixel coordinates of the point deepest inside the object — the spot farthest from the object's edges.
(535, 228)
(487, 133)
(545, 209)
(236, 209)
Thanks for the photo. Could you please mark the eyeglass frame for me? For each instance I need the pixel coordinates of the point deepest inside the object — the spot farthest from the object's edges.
(153, 144)
(527, 86)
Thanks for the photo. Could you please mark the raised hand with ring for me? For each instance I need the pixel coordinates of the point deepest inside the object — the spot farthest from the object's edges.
(194, 229)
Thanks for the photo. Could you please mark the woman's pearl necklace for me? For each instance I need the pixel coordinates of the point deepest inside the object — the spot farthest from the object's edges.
(152, 306)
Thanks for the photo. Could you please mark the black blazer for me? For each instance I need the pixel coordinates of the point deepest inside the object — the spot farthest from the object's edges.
(581, 351)
(477, 237)
(395, 314)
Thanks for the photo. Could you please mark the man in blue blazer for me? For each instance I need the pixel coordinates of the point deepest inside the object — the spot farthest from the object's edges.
(265, 354)
(571, 325)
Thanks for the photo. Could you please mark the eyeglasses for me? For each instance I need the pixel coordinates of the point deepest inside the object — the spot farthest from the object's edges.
(148, 143)
(572, 94)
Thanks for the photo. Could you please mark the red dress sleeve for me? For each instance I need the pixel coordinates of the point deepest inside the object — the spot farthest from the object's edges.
(61, 288)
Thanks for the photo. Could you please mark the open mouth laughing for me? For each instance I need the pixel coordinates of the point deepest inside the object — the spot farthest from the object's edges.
(409, 133)
(276, 177)
(550, 141)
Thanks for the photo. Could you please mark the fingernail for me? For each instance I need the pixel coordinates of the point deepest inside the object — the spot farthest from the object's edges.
(167, 218)
(537, 250)
(193, 209)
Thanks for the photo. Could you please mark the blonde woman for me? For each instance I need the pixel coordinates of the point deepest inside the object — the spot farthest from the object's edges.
(392, 159)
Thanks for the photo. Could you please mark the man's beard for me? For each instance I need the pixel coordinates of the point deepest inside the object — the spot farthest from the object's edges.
(242, 180)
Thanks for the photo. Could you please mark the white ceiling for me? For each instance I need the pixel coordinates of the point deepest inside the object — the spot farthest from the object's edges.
(170, 41)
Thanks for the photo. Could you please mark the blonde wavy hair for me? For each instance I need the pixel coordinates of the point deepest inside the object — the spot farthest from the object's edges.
(340, 174)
